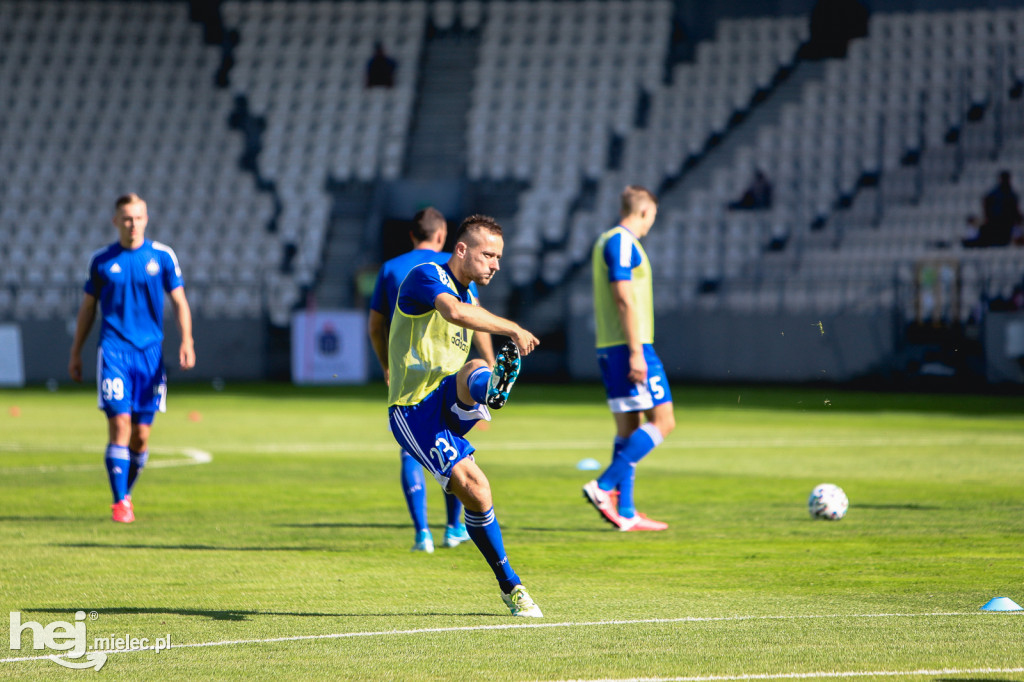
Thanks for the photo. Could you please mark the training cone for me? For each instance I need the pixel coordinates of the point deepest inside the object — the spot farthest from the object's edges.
(588, 464)
(1002, 604)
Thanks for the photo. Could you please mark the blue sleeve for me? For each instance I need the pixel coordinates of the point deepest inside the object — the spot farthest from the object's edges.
(91, 285)
(172, 271)
(621, 256)
(420, 287)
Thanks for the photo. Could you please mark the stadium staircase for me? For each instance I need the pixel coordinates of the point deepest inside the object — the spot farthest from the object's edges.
(437, 143)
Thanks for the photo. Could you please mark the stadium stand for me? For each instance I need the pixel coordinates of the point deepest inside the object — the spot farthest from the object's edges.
(875, 159)
(895, 115)
(891, 117)
(101, 98)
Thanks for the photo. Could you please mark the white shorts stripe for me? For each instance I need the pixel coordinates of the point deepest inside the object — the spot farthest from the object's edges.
(99, 377)
(406, 432)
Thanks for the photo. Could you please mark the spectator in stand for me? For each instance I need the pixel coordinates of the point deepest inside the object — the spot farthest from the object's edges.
(380, 70)
(1002, 216)
(757, 196)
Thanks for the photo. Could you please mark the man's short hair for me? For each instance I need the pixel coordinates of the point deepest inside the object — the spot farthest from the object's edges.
(130, 198)
(427, 223)
(633, 199)
(477, 223)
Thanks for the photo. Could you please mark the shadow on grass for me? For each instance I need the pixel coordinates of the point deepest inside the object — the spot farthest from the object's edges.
(241, 615)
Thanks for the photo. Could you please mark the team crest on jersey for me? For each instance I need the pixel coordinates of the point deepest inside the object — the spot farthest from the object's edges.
(152, 267)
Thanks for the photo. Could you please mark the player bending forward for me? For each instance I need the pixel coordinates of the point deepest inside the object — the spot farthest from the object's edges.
(435, 397)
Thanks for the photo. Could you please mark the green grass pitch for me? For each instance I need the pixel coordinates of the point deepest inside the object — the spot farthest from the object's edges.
(287, 555)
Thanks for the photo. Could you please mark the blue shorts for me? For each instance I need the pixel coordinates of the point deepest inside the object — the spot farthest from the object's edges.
(432, 430)
(624, 395)
(131, 381)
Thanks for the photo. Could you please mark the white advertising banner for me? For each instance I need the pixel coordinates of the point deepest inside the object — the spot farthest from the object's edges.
(12, 364)
(329, 347)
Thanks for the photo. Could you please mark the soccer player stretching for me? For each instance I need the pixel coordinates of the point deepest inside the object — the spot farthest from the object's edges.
(128, 280)
(428, 235)
(435, 397)
(634, 377)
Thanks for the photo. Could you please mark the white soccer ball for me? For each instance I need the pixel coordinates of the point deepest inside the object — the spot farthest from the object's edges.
(828, 501)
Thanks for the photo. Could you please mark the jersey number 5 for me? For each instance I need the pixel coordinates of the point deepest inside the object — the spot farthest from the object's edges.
(657, 390)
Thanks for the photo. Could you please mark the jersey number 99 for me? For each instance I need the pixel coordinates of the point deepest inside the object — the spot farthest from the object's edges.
(113, 389)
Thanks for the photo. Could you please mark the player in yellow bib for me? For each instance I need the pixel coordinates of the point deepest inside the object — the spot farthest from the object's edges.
(428, 234)
(435, 396)
(634, 378)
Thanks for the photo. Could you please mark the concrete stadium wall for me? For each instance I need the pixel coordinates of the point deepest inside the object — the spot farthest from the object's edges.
(775, 348)
(226, 349)
(1004, 348)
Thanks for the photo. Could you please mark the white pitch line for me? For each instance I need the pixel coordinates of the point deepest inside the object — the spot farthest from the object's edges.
(832, 674)
(521, 626)
(193, 456)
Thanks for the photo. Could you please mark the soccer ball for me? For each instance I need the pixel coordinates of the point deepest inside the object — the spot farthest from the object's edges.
(827, 501)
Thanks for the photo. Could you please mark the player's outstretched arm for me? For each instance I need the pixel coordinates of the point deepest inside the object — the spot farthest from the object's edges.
(476, 318)
(83, 324)
(183, 312)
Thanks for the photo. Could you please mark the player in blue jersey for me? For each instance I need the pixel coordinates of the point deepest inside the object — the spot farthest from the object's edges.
(127, 280)
(634, 378)
(428, 236)
(435, 396)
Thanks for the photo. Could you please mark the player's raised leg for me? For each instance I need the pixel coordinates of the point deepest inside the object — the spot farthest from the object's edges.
(506, 371)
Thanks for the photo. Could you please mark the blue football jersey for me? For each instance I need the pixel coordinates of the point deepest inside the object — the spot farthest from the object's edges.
(422, 285)
(622, 255)
(394, 271)
(130, 287)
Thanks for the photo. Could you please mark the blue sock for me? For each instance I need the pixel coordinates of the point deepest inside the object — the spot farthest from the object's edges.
(139, 460)
(609, 479)
(477, 383)
(627, 507)
(454, 507)
(118, 461)
(617, 470)
(485, 532)
(625, 486)
(636, 447)
(415, 490)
